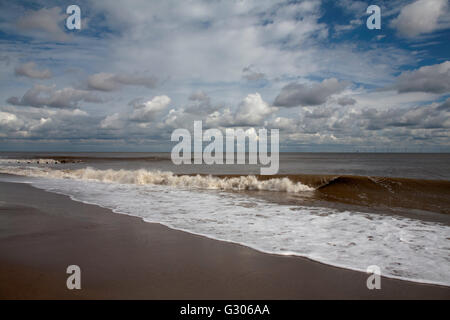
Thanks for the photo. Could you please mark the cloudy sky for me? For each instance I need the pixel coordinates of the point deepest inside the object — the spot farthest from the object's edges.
(139, 69)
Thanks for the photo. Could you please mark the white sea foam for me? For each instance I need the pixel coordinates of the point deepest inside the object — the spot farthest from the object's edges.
(29, 161)
(403, 248)
(142, 177)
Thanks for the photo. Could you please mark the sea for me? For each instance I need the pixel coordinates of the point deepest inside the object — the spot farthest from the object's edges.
(350, 210)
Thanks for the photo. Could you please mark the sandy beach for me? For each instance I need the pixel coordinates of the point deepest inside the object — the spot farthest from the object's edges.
(123, 257)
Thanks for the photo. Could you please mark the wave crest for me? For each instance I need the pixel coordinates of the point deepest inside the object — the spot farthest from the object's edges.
(29, 161)
(143, 177)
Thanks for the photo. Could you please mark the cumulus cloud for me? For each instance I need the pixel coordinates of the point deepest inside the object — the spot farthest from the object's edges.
(113, 121)
(296, 94)
(216, 45)
(8, 122)
(221, 118)
(354, 125)
(110, 82)
(252, 111)
(430, 79)
(147, 111)
(434, 116)
(44, 123)
(201, 44)
(30, 70)
(44, 23)
(284, 124)
(421, 17)
(200, 104)
(41, 96)
(319, 113)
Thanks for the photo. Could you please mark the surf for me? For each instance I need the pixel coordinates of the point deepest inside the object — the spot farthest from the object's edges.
(156, 177)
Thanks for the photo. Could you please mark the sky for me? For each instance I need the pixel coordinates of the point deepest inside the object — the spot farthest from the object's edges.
(139, 69)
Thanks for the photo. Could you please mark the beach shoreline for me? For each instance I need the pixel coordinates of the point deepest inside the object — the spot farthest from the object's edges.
(123, 257)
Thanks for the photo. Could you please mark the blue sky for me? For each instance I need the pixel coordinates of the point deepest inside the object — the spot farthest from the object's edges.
(137, 70)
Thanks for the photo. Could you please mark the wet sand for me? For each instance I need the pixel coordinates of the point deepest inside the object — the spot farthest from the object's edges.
(122, 257)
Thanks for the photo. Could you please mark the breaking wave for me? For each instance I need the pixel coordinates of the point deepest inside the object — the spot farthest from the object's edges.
(143, 177)
(29, 161)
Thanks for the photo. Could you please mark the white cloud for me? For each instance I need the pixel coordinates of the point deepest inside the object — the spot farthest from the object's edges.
(284, 124)
(18, 122)
(421, 17)
(9, 121)
(147, 111)
(218, 43)
(113, 121)
(191, 46)
(252, 111)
